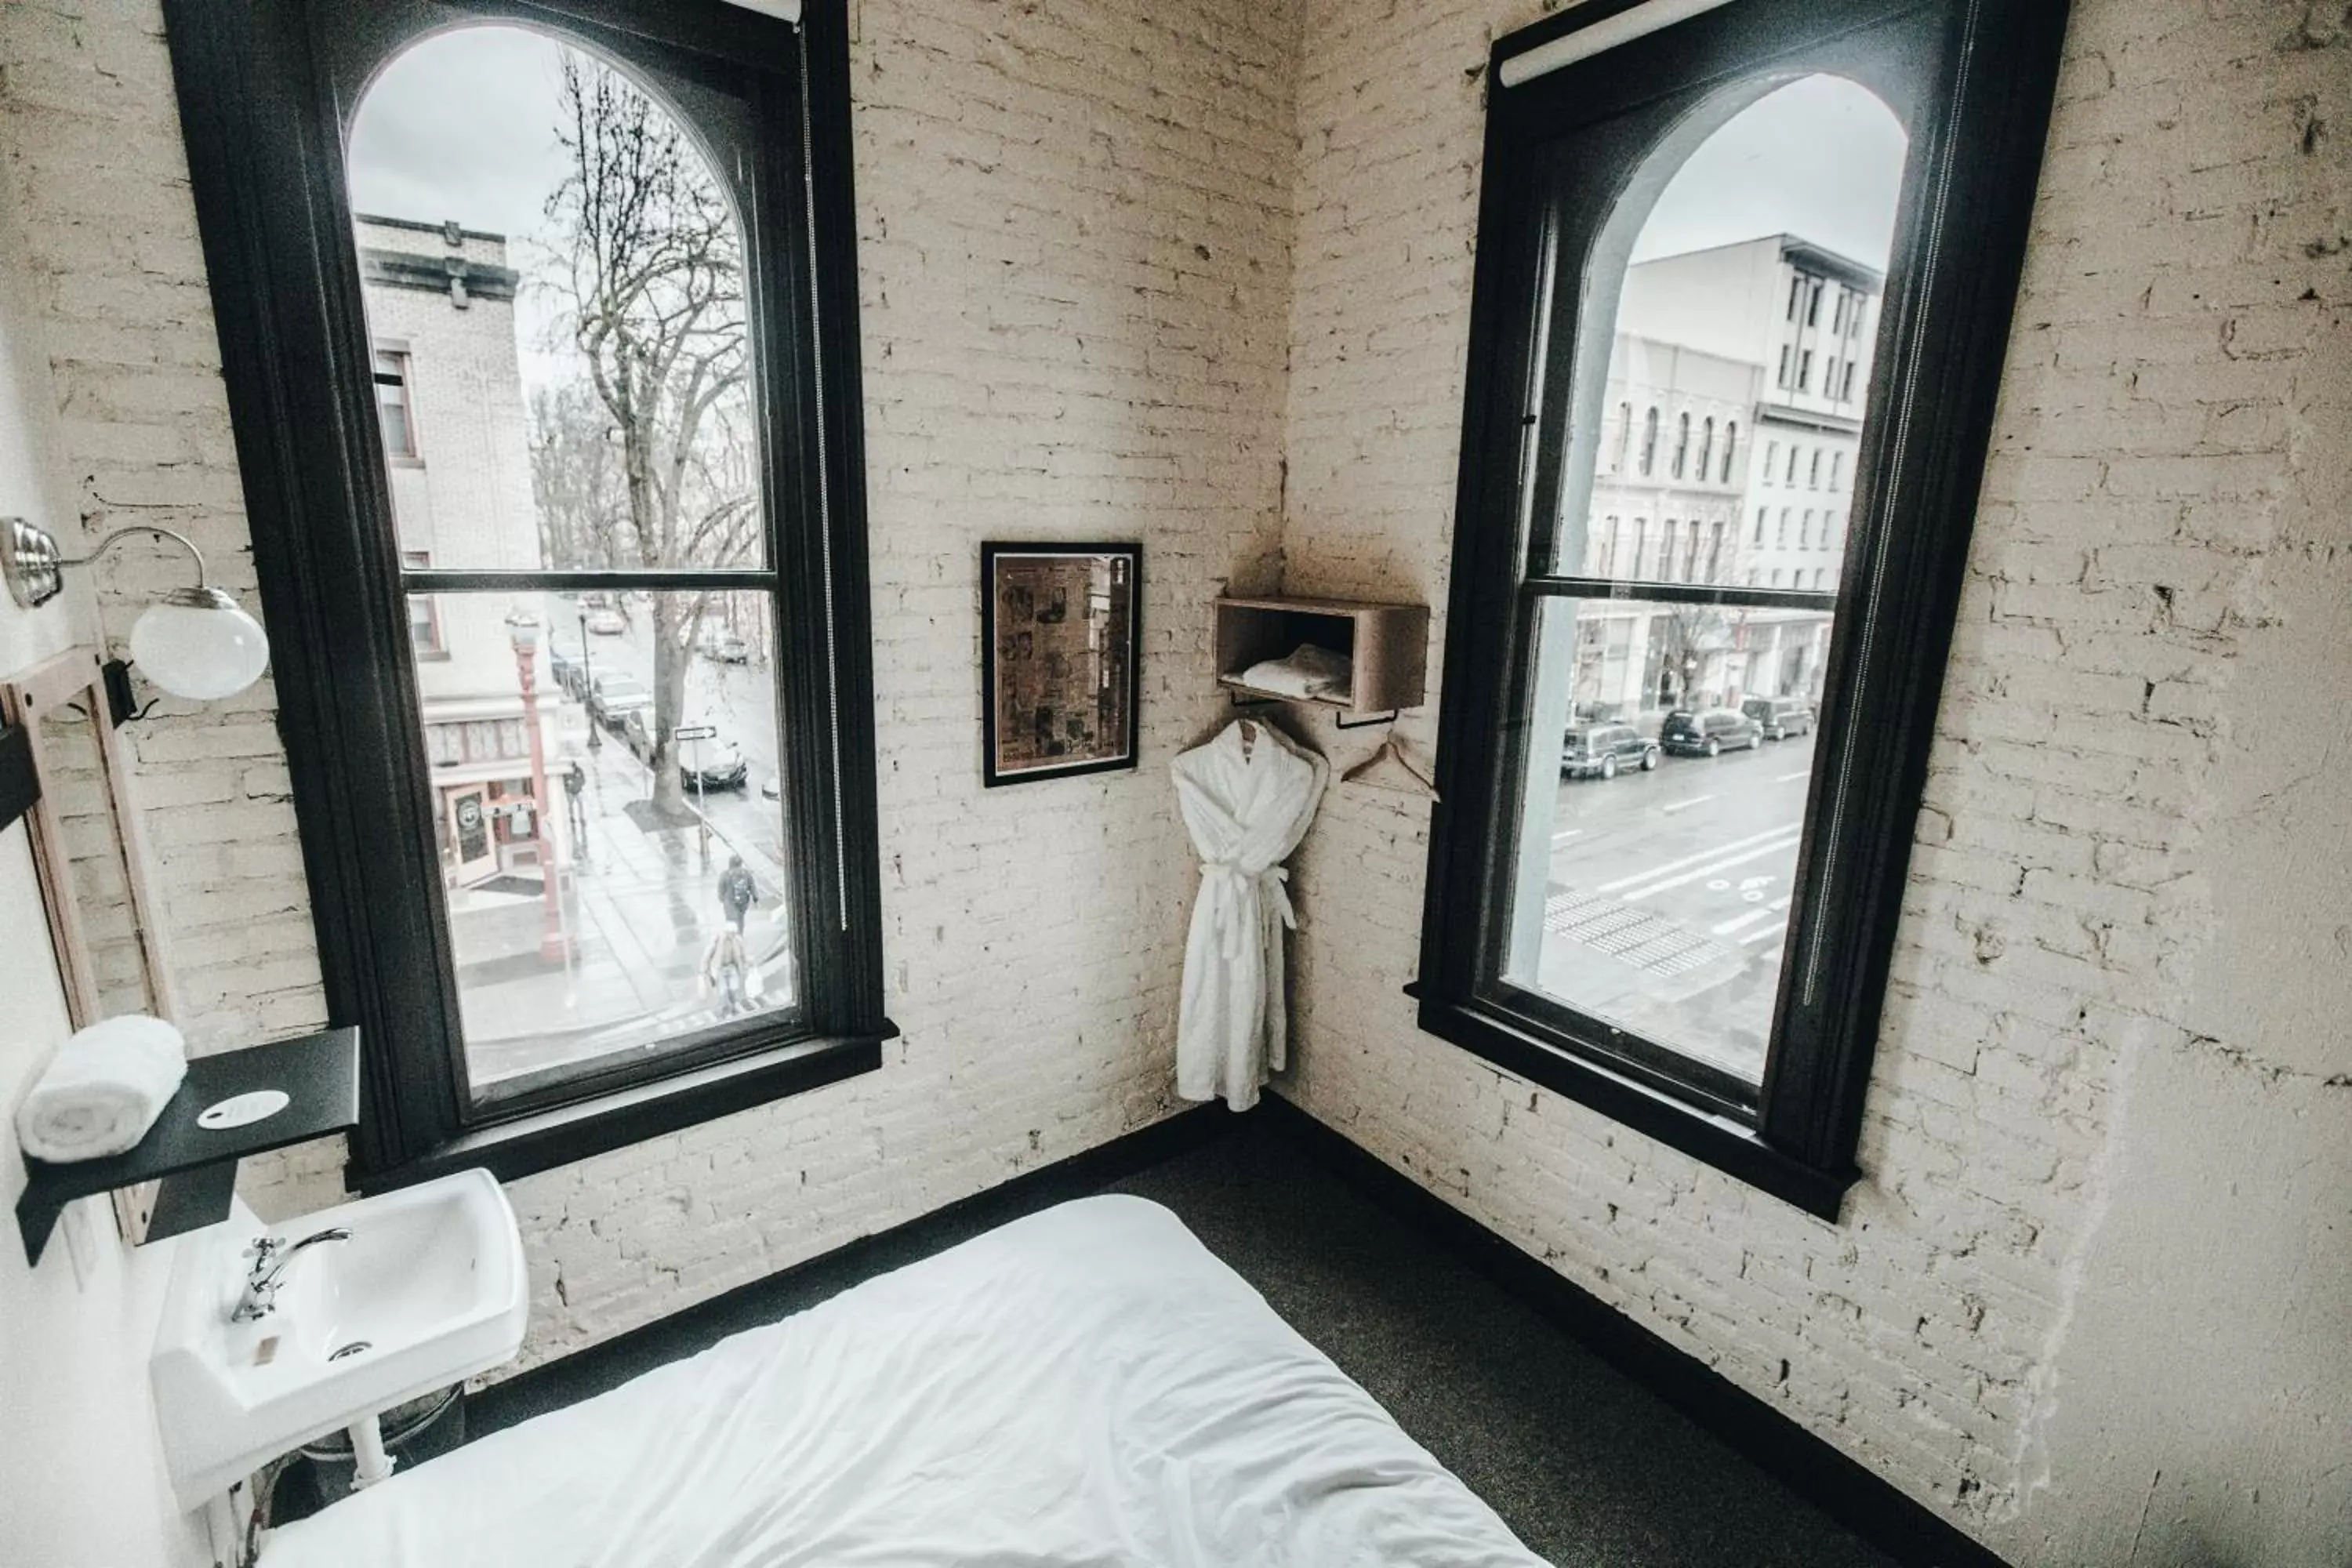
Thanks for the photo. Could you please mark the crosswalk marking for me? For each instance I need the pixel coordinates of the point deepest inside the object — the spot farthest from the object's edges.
(1647, 873)
(1649, 943)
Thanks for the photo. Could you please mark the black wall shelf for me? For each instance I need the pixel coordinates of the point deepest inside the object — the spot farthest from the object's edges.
(197, 1165)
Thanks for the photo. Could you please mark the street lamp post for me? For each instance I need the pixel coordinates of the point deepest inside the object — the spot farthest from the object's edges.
(588, 684)
(524, 631)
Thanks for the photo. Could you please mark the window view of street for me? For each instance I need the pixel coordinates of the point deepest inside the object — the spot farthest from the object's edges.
(1654, 871)
(555, 289)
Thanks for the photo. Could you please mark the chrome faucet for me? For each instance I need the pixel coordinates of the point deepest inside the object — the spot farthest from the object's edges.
(270, 1255)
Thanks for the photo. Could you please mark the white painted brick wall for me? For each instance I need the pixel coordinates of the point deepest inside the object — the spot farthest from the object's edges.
(2184, 300)
(1074, 230)
(1117, 271)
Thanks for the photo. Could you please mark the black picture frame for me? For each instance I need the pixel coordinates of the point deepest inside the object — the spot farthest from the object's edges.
(1012, 608)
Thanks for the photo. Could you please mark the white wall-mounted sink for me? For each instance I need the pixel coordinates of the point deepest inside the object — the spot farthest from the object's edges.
(431, 1283)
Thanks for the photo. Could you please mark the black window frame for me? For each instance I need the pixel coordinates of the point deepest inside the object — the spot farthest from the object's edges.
(266, 87)
(1978, 122)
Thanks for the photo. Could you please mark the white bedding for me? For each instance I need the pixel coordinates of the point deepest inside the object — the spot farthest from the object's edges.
(1085, 1387)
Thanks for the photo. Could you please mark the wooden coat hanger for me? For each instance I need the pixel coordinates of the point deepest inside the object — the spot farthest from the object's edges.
(1389, 768)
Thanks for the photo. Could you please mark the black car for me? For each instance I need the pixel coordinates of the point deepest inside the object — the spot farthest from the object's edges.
(1780, 717)
(1706, 733)
(1603, 749)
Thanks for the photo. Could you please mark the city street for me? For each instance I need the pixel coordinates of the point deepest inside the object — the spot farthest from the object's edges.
(1668, 899)
(638, 906)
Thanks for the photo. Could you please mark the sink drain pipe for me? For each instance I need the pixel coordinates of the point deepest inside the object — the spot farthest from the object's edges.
(371, 1463)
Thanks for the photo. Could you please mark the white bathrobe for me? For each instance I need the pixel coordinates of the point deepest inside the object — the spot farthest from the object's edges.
(1247, 797)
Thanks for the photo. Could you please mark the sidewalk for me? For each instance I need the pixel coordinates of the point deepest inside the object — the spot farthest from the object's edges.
(640, 909)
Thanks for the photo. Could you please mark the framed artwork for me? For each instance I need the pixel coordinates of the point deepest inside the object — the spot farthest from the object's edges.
(1059, 671)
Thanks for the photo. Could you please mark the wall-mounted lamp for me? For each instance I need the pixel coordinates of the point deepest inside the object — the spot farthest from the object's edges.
(192, 642)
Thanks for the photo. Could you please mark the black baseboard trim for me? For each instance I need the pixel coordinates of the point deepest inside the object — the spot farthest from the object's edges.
(608, 1363)
(1832, 1481)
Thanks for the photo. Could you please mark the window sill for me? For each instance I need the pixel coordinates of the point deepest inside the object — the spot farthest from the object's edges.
(529, 1144)
(1736, 1150)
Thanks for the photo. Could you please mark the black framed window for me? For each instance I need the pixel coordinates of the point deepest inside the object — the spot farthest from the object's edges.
(579, 714)
(1692, 936)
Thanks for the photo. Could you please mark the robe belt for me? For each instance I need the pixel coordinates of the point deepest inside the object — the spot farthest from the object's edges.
(1233, 938)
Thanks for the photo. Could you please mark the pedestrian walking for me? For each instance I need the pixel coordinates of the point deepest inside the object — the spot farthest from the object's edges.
(727, 974)
(575, 782)
(736, 891)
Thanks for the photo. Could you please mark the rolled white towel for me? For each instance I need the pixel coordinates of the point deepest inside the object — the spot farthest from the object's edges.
(104, 1090)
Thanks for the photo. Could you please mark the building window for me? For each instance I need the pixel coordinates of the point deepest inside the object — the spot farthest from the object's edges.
(1813, 305)
(1730, 449)
(1805, 371)
(625, 526)
(1846, 390)
(1624, 436)
(1666, 552)
(1682, 445)
(1751, 1046)
(1837, 469)
(1771, 457)
(1781, 538)
(1805, 529)
(424, 612)
(394, 415)
(1794, 454)
(1760, 524)
(1706, 450)
(1649, 441)
(1786, 351)
(1796, 294)
(1813, 470)
(1607, 560)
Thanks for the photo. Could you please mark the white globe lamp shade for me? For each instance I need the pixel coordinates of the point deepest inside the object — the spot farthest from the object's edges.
(196, 643)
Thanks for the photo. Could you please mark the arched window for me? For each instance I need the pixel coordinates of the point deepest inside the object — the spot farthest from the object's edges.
(1730, 448)
(1649, 441)
(1682, 445)
(1706, 449)
(1624, 436)
(609, 272)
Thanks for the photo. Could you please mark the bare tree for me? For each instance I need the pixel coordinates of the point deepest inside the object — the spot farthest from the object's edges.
(575, 478)
(1688, 636)
(653, 298)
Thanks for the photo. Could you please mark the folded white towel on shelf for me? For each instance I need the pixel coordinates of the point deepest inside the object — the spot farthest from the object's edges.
(102, 1090)
(1308, 671)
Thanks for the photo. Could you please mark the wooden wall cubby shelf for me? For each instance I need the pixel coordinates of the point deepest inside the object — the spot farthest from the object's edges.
(197, 1164)
(1387, 645)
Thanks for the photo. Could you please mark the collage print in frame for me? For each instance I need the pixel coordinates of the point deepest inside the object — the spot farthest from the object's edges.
(1059, 668)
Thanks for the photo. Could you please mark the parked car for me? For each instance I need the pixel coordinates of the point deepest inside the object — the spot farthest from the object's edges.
(606, 623)
(1603, 749)
(611, 696)
(1708, 732)
(721, 646)
(1780, 717)
(713, 763)
(716, 763)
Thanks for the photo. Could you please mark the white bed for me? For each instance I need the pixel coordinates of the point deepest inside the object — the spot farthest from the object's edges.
(1085, 1387)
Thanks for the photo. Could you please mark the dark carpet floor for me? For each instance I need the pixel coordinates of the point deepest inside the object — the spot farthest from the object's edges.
(1587, 1466)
